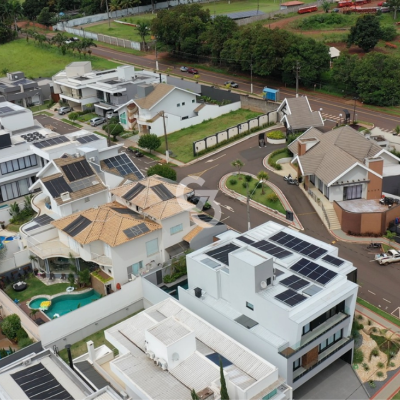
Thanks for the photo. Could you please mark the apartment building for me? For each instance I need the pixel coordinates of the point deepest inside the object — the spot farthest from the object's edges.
(286, 296)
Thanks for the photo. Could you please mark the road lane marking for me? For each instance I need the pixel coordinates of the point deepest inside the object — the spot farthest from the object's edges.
(396, 312)
(372, 293)
(215, 158)
(386, 300)
(197, 175)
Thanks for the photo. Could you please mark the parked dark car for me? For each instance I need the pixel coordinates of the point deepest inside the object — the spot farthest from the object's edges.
(192, 71)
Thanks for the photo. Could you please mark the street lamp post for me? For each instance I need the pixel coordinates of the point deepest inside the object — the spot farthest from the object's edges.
(165, 136)
(354, 111)
(156, 54)
(248, 202)
(340, 118)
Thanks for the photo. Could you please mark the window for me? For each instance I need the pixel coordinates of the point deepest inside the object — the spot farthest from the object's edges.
(268, 281)
(176, 229)
(15, 189)
(296, 364)
(18, 164)
(134, 268)
(322, 346)
(178, 105)
(338, 335)
(306, 328)
(250, 306)
(183, 103)
(352, 192)
(270, 395)
(122, 118)
(193, 100)
(339, 308)
(330, 341)
(312, 179)
(152, 247)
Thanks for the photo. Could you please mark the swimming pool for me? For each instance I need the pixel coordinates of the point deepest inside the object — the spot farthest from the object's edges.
(66, 303)
(7, 238)
(173, 290)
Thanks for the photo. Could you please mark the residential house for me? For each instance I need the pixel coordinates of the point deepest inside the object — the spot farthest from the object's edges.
(297, 114)
(18, 89)
(284, 295)
(81, 87)
(167, 351)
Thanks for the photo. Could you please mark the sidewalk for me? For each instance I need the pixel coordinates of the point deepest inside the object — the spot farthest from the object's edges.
(392, 386)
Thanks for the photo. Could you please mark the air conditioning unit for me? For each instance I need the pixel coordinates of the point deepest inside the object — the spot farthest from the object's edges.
(156, 361)
(163, 364)
(77, 155)
(27, 362)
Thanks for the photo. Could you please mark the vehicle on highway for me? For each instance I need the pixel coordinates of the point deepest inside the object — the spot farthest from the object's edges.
(97, 121)
(184, 69)
(389, 257)
(192, 71)
(64, 110)
(231, 84)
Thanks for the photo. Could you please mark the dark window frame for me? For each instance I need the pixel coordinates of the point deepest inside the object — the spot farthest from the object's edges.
(6, 164)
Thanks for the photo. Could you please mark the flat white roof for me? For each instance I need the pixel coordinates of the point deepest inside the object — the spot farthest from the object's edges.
(169, 331)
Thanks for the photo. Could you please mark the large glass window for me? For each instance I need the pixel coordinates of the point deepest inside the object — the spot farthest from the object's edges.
(176, 229)
(15, 189)
(134, 269)
(18, 164)
(152, 247)
(330, 341)
(352, 192)
(122, 118)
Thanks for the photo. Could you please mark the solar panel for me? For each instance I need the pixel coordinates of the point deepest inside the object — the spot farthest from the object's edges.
(221, 253)
(87, 139)
(313, 271)
(77, 226)
(294, 282)
(57, 186)
(162, 192)
(6, 109)
(210, 263)
(124, 165)
(37, 382)
(136, 230)
(311, 290)
(290, 297)
(130, 194)
(298, 245)
(77, 170)
(42, 220)
(82, 184)
(333, 260)
(246, 321)
(244, 239)
(126, 211)
(270, 248)
(51, 142)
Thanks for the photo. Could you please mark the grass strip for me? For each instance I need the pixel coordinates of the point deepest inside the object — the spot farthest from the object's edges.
(67, 121)
(378, 311)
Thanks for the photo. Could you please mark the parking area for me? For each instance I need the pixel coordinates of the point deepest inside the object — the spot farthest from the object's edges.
(57, 126)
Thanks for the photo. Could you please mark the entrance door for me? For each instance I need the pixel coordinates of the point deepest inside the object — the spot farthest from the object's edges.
(159, 277)
(108, 289)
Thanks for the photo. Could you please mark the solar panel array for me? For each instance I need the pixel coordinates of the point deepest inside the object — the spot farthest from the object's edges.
(51, 142)
(87, 139)
(272, 249)
(162, 192)
(313, 271)
(294, 282)
(244, 239)
(38, 383)
(126, 211)
(221, 253)
(124, 165)
(136, 230)
(337, 262)
(130, 194)
(77, 170)
(298, 245)
(40, 221)
(77, 226)
(290, 297)
(57, 186)
(82, 184)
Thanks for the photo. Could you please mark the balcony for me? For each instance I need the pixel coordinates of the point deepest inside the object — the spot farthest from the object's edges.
(299, 373)
(52, 248)
(309, 337)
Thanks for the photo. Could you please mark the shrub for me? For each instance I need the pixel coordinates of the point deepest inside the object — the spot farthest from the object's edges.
(358, 356)
(149, 141)
(380, 365)
(276, 135)
(245, 185)
(21, 334)
(248, 178)
(25, 342)
(360, 317)
(371, 384)
(369, 322)
(278, 167)
(374, 353)
(163, 170)
(11, 325)
(365, 366)
(73, 116)
(392, 364)
(388, 33)
(273, 197)
(379, 374)
(114, 129)
(233, 181)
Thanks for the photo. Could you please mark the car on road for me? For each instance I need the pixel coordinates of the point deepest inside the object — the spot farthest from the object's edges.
(97, 121)
(64, 110)
(231, 84)
(389, 257)
(184, 69)
(192, 71)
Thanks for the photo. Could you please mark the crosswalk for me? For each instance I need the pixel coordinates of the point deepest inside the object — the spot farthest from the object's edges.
(335, 118)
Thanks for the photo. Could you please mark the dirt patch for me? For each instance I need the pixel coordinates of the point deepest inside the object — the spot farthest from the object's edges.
(27, 24)
(354, 50)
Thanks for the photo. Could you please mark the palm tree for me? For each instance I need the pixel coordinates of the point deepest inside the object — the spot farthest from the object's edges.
(239, 165)
(14, 209)
(34, 259)
(33, 313)
(86, 44)
(143, 30)
(390, 343)
(126, 4)
(16, 11)
(5, 71)
(262, 176)
(115, 5)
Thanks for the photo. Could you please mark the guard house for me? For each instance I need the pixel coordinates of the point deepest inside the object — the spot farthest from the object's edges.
(271, 94)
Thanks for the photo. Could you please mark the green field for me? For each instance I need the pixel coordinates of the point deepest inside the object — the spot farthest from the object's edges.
(117, 30)
(44, 61)
(181, 142)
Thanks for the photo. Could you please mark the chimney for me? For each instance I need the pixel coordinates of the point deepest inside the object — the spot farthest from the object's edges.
(301, 148)
(91, 351)
(71, 364)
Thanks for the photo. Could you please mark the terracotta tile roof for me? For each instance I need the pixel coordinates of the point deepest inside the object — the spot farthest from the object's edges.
(160, 90)
(192, 234)
(169, 208)
(107, 224)
(148, 197)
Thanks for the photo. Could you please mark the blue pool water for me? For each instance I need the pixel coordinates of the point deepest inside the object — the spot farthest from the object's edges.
(173, 290)
(6, 238)
(66, 303)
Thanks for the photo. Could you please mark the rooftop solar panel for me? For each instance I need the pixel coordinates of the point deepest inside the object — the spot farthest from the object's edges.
(57, 186)
(221, 253)
(162, 192)
(337, 262)
(313, 271)
(136, 230)
(126, 211)
(42, 220)
(124, 165)
(244, 239)
(130, 194)
(51, 142)
(83, 184)
(87, 139)
(77, 226)
(77, 170)
(290, 297)
(272, 249)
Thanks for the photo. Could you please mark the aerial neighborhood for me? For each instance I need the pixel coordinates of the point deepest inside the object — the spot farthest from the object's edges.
(199, 200)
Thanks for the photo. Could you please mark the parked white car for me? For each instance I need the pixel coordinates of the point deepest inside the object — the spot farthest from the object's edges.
(386, 258)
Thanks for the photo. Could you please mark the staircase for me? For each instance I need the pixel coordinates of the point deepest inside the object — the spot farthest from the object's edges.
(332, 219)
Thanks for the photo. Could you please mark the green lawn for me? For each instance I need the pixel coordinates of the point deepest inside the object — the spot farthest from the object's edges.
(43, 106)
(87, 117)
(79, 348)
(181, 142)
(396, 396)
(35, 287)
(121, 49)
(117, 30)
(257, 195)
(380, 312)
(276, 157)
(44, 61)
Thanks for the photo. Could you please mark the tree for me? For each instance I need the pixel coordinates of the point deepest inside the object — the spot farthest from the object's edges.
(224, 391)
(149, 141)
(115, 5)
(45, 17)
(59, 39)
(365, 33)
(394, 5)
(16, 11)
(397, 129)
(33, 313)
(239, 165)
(126, 4)
(194, 395)
(6, 33)
(163, 170)
(263, 177)
(32, 8)
(325, 6)
(143, 29)
(10, 326)
(14, 209)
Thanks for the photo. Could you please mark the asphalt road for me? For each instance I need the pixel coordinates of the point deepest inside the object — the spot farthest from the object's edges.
(378, 285)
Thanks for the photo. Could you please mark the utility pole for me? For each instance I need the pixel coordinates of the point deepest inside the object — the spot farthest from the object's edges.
(248, 207)
(251, 75)
(156, 55)
(108, 15)
(165, 136)
(258, 6)
(297, 69)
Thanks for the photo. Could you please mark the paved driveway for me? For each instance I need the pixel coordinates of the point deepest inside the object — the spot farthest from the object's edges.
(60, 127)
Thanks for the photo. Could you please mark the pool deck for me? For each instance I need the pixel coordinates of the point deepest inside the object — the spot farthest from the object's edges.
(25, 308)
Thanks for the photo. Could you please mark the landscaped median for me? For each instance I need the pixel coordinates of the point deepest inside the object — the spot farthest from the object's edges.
(261, 202)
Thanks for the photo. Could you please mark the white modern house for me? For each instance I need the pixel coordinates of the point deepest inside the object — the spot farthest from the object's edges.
(166, 351)
(286, 296)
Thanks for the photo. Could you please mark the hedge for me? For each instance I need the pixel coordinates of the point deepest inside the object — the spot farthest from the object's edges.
(276, 135)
